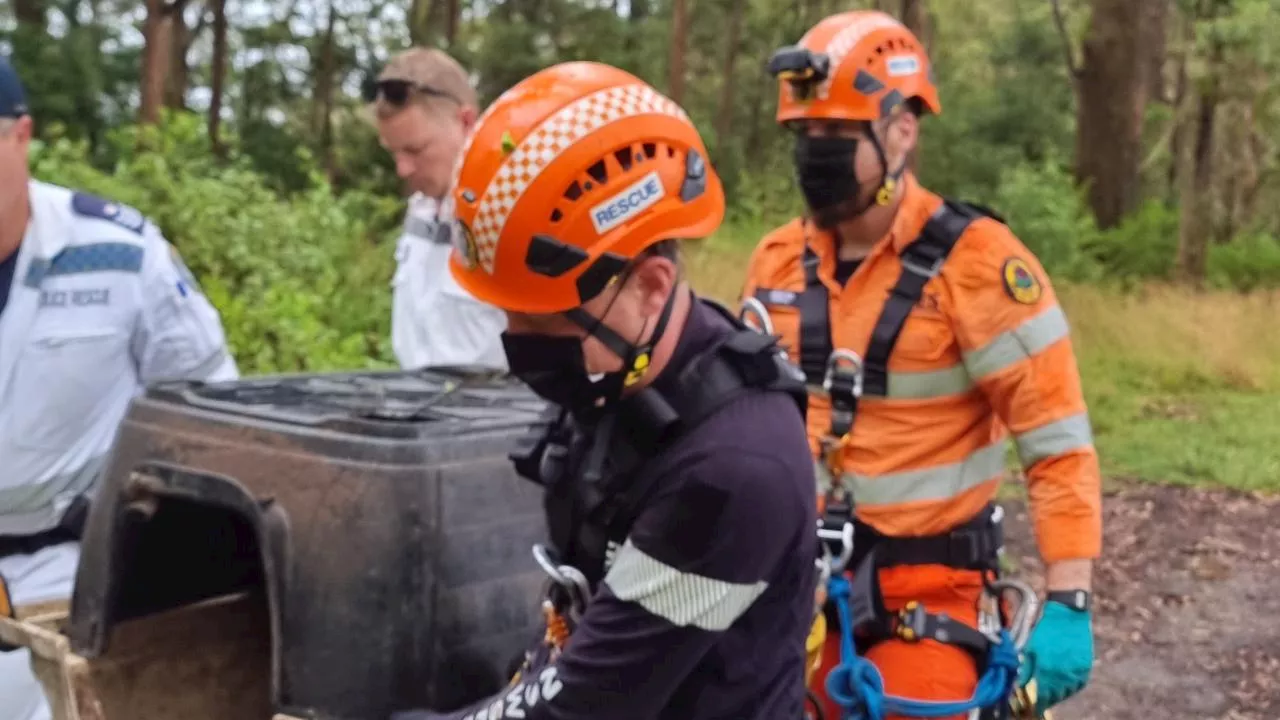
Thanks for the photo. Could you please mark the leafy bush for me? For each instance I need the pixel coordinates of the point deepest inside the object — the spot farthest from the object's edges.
(1250, 262)
(301, 281)
(1143, 247)
(1048, 213)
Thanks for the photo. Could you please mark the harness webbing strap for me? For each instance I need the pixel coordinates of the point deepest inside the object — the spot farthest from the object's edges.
(814, 304)
(921, 262)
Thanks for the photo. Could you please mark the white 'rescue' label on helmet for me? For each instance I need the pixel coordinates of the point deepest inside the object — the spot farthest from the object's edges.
(900, 65)
(635, 199)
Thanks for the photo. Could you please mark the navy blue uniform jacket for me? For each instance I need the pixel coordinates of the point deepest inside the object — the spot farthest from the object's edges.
(704, 611)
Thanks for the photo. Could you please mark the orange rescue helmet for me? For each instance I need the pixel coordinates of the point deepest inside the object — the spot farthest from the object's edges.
(566, 178)
(855, 66)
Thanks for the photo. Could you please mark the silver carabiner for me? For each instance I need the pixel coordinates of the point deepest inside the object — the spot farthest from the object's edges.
(752, 307)
(1027, 613)
(567, 577)
(833, 361)
(824, 568)
(845, 536)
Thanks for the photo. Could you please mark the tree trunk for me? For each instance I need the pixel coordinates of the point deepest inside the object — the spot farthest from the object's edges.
(1195, 179)
(728, 74)
(217, 76)
(1181, 104)
(679, 39)
(31, 13)
(1112, 97)
(1155, 32)
(420, 22)
(1239, 175)
(638, 12)
(180, 39)
(453, 16)
(914, 17)
(155, 60)
(322, 99)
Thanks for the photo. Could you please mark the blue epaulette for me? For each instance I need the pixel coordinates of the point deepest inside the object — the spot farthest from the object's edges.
(92, 206)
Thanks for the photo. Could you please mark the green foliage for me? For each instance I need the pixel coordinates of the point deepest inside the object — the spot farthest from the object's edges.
(1045, 209)
(1143, 247)
(288, 232)
(1250, 262)
(301, 280)
(1004, 103)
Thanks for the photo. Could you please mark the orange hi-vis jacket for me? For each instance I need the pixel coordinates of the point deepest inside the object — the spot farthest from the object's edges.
(983, 354)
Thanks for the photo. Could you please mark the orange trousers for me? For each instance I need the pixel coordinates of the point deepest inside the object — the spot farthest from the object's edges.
(924, 670)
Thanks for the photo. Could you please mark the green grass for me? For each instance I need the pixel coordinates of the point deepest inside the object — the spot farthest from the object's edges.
(1182, 387)
(1208, 438)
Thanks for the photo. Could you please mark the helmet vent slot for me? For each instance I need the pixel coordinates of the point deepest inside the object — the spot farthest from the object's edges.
(598, 172)
(623, 157)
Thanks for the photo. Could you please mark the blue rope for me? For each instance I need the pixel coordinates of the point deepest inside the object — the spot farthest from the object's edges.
(857, 687)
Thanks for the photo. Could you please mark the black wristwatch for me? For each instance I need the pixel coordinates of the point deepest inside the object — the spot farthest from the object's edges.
(1079, 600)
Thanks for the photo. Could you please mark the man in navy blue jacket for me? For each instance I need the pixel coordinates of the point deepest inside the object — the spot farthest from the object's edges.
(677, 471)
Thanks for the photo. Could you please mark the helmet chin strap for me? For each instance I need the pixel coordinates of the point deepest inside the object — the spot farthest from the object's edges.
(636, 356)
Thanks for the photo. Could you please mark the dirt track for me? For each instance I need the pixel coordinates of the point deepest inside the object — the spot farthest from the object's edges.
(1188, 608)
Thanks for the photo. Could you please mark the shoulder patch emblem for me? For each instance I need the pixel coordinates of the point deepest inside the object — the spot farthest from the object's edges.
(464, 245)
(1020, 282)
(186, 281)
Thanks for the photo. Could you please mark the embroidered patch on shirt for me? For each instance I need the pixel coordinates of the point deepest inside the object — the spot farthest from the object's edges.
(1020, 282)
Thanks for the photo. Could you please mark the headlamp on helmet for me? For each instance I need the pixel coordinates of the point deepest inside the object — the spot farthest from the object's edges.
(801, 67)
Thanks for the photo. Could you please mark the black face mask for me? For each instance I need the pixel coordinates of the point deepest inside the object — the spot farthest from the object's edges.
(824, 167)
(556, 370)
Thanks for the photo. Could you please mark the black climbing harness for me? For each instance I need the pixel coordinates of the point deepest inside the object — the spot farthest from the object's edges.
(845, 377)
(840, 373)
(595, 478)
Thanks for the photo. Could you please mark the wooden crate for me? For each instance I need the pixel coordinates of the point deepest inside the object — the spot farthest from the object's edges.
(207, 660)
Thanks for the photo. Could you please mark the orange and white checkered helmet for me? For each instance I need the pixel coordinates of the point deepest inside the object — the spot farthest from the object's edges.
(854, 66)
(566, 178)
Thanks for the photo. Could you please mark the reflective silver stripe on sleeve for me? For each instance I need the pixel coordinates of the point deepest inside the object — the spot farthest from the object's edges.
(680, 598)
(207, 367)
(1024, 341)
(28, 509)
(935, 483)
(1055, 438)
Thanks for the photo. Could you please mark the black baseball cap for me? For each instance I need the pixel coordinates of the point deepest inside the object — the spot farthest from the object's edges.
(13, 99)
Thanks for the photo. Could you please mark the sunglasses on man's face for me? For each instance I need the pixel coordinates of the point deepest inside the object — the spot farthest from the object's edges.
(397, 92)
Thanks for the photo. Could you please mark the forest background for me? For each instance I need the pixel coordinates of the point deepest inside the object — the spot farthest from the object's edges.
(1131, 144)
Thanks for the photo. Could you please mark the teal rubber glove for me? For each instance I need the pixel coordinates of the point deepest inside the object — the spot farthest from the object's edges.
(1059, 655)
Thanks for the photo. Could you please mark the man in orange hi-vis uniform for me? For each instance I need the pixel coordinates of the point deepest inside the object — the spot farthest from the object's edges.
(929, 335)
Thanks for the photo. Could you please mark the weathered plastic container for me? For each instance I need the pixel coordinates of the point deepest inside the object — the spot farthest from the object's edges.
(364, 535)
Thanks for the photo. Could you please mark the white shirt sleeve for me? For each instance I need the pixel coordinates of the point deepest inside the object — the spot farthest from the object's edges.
(435, 322)
(180, 335)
